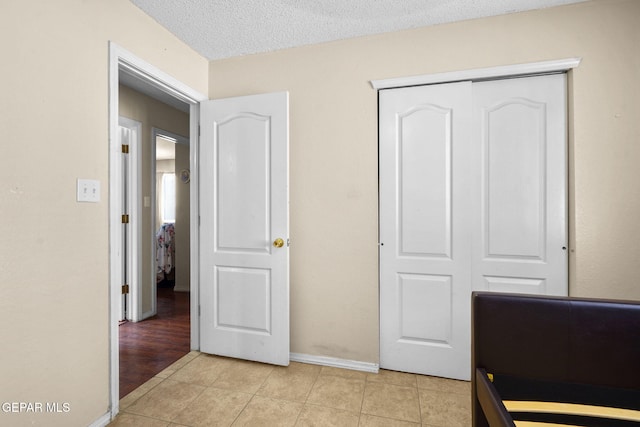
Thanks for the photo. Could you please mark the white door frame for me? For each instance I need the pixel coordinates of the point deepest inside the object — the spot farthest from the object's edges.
(121, 59)
(479, 74)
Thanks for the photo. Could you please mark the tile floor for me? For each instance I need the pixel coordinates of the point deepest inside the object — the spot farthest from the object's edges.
(204, 390)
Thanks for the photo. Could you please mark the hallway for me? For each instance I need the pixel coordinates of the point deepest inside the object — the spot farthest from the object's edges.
(149, 346)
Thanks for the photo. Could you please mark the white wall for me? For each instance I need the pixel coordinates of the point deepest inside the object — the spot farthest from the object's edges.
(54, 260)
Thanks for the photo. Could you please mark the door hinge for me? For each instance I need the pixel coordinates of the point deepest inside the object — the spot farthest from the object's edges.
(125, 148)
(199, 311)
(199, 131)
(125, 289)
(125, 219)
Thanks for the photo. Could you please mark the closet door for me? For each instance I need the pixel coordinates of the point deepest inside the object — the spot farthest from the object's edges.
(424, 229)
(472, 197)
(520, 212)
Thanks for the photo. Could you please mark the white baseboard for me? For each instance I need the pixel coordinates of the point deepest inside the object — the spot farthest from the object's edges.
(102, 421)
(335, 363)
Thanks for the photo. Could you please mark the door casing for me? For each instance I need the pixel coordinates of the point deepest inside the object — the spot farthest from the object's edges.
(122, 60)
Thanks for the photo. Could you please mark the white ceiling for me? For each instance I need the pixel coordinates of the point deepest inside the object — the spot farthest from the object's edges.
(226, 28)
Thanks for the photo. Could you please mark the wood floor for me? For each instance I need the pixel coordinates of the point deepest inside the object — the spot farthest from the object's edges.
(147, 347)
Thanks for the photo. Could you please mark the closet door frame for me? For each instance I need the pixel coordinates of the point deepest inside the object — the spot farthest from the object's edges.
(479, 74)
(483, 74)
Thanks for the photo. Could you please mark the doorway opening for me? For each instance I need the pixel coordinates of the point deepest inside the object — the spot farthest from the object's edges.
(147, 79)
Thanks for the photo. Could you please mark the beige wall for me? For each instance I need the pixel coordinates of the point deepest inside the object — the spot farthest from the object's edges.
(183, 222)
(54, 262)
(334, 193)
(151, 113)
(54, 303)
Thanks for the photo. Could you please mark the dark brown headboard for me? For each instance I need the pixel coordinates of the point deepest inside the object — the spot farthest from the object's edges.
(552, 339)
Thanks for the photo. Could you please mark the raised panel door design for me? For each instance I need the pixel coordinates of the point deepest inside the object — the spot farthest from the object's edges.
(424, 165)
(514, 147)
(472, 197)
(520, 212)
(425, 308)
(243, 299)
(243, 175)
(244, 278)
(516, 285)
(424, 207)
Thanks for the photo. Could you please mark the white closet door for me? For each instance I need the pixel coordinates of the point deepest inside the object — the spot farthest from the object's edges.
(520, 212)
(424, 229)
(472, 196)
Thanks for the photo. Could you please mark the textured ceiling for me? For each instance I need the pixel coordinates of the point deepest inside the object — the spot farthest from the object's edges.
(225, 28)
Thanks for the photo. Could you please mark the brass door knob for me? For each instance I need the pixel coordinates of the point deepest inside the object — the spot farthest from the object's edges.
(278, 243)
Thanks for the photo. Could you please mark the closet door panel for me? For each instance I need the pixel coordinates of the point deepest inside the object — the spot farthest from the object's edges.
(424, 230)
(521, 214)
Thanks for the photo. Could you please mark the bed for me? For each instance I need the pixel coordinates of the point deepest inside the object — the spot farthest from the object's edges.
(554, 361)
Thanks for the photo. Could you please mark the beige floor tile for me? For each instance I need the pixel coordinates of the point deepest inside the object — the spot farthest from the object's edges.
(444, 384)
(391, 401)
(131, 420)
(214, 407)
(136, 394)
(445, 409)
(337, 392)
(166, 400)
(292, 382)
(243, 376)
(344, 373)
(318, 416)
(372, 421)
(393, 377)
(171, 369)
(203, 370)
(263, 411)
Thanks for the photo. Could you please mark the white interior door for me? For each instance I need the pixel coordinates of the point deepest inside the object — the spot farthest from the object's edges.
(424, 229)
(472, 197)
(125, 302)
(520, 134)
(130, 135)
(244, 226)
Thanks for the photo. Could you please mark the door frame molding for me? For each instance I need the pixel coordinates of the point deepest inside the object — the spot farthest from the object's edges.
(122, 60)
(491, 73)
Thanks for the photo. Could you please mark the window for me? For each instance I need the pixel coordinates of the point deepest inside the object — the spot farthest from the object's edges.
(168, 197)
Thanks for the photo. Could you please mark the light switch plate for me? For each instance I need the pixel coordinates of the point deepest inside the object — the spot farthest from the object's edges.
(88, 190)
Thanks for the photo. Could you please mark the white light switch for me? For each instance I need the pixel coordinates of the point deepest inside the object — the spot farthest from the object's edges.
(88, 190)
